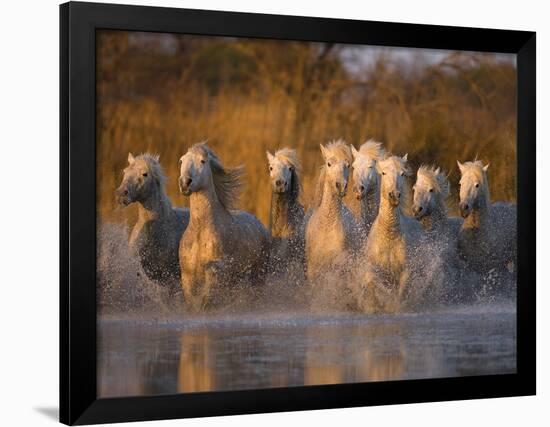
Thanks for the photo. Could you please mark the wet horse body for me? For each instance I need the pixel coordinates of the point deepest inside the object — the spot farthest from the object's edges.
(487, 239)
(155, 237)
(439, 260)
(286, 217)
(222, 247)
(366, 183)
(390, 244)
(331, 229)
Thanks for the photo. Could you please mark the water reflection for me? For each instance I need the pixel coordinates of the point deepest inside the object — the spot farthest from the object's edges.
(145, 358)
(196, 362)
(331, 359)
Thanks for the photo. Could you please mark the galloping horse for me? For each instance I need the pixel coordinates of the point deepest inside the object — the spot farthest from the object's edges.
(156, 235)
(487, 238)
(331, 231)
(286, 216)
(389, 246)
(220, 246)
(366, 182)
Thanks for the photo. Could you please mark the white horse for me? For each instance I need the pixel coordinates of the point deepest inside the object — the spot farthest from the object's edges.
(156, 235)
(390, 244)
(487, 238)
(366, 182)
(220, 246)
(438, 258)
(331, 229)
(431, 191)
(286, 216)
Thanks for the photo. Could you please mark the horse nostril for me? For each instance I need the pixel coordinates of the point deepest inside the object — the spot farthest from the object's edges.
(466, 206)
(188, 181)
(420, 209)
(125, 192)
(278, 182)
(362, 188)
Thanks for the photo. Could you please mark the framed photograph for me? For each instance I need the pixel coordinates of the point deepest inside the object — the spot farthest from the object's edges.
(267, 213)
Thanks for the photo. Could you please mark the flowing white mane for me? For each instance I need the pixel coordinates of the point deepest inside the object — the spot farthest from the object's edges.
(340, 149)
(289, 156)
(476, 170)
(437, 179)
(372, 149)
(153, 164)
(227, 181)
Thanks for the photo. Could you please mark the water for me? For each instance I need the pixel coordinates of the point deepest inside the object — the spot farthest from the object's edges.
(144, 356)
(284, 336)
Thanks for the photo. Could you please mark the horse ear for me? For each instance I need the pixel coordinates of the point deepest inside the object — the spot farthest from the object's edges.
(437, 171)
(486, 167)
(460, 166)
(323, 151)
(269, 156)
(131, 158)
(354, 152)
(405, 157)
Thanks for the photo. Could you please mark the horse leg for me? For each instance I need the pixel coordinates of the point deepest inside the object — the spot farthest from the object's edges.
(212, 277)
(187, 287)
(403, 285)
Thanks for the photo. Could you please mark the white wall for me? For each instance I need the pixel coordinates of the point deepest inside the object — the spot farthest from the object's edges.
(29, 233)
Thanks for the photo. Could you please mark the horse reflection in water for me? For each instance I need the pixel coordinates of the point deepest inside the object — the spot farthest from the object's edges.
(196, 362)
(328, 363)
(204, 364)
(232, 353)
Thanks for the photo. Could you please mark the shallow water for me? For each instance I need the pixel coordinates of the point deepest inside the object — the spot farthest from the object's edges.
(141, 356)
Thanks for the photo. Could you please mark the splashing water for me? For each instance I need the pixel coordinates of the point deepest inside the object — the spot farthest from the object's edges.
(438, 278)
(284, 333)
(122, 285)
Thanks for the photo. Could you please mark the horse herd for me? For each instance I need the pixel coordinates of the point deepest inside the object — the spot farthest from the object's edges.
(379, 257)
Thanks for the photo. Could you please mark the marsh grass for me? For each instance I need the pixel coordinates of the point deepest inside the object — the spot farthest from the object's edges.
(163, 93)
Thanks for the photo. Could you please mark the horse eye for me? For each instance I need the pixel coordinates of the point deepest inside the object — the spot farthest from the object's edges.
(145, 174)
(477, 185)
(402, 173)
(271, 168)
(203, 161)
(431, 190)
(328, 164)
(383, 173)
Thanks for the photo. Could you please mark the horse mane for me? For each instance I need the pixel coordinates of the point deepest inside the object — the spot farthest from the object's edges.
(406, 190)
(477, 167)
(438, 178)
(341, 149)
(227, 181)
(372, 149)
(319, 188)
(290, 157)
(154, 166)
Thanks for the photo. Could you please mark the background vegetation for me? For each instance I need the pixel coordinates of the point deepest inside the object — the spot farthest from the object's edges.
(162, 93)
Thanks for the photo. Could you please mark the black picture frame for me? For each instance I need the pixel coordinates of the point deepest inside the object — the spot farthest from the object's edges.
(79, 403)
